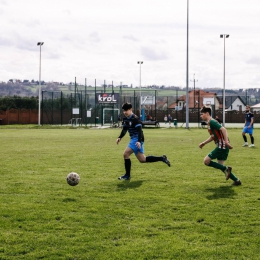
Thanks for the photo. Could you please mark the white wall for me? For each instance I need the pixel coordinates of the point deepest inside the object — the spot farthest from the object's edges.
(236, 104)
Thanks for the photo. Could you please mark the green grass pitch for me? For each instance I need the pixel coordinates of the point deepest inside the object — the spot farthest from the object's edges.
(187, 211)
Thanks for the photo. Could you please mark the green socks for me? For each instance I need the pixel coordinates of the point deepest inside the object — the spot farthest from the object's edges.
(217, 166)
(222, 168)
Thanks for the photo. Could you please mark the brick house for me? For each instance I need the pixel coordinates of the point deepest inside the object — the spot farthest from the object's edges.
(197, 98)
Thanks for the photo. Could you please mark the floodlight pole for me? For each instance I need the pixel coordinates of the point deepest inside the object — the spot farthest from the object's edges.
(187, 70)
(140, 84)
(39, 108)
(224, 76)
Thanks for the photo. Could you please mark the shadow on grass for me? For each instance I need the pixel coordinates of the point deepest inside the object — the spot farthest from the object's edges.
(129, 185)
(221, 192)
(69, 200)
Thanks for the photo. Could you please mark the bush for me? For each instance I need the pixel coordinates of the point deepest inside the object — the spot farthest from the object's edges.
(18, 103)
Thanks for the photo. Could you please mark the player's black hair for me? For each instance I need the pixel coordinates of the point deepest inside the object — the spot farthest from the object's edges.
(126, 106)
(206, 109)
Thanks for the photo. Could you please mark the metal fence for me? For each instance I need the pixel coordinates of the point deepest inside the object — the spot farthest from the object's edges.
(82, 107)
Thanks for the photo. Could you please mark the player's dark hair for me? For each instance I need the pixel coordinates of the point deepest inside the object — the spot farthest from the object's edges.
(126, 106)
(206, 109)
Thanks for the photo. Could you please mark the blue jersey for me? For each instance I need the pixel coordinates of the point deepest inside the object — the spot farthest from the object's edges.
(133, 125)
(249, 116)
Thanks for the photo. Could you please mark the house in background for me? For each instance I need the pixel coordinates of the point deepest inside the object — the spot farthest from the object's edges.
(197, 98)
(255, 108)
(233, 103)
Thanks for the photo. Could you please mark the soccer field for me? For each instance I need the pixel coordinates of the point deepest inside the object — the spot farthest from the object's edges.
(187, 211)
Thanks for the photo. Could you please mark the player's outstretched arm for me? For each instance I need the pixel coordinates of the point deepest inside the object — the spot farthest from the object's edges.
(205, 142)
(122, 134)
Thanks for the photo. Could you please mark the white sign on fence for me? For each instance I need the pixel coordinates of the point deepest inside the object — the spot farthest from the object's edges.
(75, 111)
(148, 100)
(88, 113)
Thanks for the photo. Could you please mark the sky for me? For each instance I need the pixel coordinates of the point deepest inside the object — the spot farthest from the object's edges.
(104, 40)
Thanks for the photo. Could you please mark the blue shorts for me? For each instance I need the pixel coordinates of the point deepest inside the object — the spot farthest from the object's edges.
(248, 131)
(133, 146)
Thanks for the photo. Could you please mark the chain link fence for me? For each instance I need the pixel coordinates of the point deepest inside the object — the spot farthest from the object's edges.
(83, 107)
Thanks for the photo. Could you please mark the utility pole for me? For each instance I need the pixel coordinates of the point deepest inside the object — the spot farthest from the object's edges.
(194, 89)
(224, 36)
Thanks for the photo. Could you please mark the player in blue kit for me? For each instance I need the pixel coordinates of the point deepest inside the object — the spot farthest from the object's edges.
(133, 125)
(248, 127)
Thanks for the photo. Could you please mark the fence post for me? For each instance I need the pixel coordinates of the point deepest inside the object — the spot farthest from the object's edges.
(95, 102)
(155, 96)
(61, 107)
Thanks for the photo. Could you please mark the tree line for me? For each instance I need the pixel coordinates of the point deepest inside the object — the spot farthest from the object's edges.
(17, 102)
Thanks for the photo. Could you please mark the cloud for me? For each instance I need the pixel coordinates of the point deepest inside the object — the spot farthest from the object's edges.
(66, 12)
(253, 60)
(151, 54)
(94, 37)
(17, 41)
(32, 22)
(3, 2)
(130, 37)
(5, 41)
(53, 55)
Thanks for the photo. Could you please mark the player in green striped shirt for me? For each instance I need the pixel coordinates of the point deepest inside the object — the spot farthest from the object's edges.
(219, 135)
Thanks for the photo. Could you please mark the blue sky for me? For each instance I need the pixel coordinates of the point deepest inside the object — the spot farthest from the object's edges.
(103, 40)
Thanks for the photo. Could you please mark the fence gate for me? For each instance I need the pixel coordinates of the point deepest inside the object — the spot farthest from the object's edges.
(110, 115)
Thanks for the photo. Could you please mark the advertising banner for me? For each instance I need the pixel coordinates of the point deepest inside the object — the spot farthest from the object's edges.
(107, 98)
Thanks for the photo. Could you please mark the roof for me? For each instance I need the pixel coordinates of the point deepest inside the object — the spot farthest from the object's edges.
(229, 100)
(199, 94)
(256, 106)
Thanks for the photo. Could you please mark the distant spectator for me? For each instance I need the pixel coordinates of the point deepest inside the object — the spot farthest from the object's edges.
(149, 118)
(165, 119)
(169, 120)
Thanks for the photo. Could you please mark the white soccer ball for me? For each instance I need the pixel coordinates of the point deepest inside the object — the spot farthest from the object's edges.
(73, 179)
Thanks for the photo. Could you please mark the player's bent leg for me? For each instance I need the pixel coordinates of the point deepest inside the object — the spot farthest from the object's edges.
(207, 160)
(141, 157)
(127, 153)
(150, 159)
(221, 162)
(227, 171)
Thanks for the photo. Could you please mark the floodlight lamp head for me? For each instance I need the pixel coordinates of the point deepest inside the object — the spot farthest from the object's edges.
(221, 35)
(227, 35)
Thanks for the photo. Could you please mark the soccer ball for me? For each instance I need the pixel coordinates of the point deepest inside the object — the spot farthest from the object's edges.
(73, 179)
